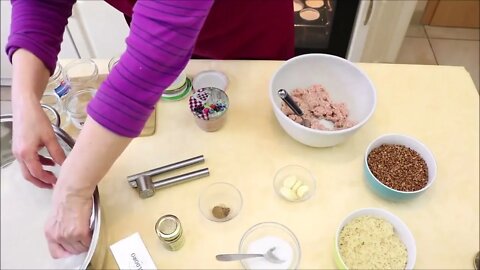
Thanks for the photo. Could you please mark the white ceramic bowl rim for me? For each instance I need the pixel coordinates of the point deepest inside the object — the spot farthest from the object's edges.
(341, 131)
(434, 173)
(391, 217)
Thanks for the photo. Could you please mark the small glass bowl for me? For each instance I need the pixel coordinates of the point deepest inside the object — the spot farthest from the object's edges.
(220, 202)
(82, 73)
(263, 236)
(77, 106)
(294, 183)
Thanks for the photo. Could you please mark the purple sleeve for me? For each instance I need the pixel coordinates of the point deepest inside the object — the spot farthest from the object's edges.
(159, 46)
(38, 27)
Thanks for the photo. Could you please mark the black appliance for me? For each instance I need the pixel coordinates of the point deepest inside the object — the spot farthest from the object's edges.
(324, 26)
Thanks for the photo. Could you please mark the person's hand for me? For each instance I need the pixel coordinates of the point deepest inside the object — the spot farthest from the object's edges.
(31, 131)
(68, 228)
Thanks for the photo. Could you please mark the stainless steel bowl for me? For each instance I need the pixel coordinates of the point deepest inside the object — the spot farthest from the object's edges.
(96, 253)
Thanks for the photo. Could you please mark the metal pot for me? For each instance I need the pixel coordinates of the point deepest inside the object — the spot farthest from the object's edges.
(96, 253)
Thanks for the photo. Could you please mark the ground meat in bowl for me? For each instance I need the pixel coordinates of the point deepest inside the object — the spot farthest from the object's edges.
(316, 104)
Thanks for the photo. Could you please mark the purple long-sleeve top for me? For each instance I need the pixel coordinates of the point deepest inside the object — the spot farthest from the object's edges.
(162, 38)
(152, 61)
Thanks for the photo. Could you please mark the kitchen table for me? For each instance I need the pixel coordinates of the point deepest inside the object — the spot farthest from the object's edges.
(438, 105)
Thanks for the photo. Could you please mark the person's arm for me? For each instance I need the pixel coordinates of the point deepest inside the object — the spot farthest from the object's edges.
(33, 45)
(31, 126)
(95, 150)
(159, 46)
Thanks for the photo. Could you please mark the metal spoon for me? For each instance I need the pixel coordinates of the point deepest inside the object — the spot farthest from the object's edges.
(289, 101)
(283, 94)
(269, 256)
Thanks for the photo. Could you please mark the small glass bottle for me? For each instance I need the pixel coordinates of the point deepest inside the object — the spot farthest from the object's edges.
(169, 231)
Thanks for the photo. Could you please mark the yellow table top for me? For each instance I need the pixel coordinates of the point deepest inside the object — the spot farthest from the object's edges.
(438, 105)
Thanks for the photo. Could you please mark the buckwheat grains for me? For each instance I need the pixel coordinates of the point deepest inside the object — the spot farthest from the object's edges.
(398, 167)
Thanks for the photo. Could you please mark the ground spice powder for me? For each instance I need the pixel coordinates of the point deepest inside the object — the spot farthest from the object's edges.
(398, 167)
(220, 211)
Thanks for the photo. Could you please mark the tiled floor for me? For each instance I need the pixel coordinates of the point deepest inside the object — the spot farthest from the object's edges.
(428, 45)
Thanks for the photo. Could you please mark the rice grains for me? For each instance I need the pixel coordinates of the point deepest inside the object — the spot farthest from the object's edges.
(369, 242)
(398, 167)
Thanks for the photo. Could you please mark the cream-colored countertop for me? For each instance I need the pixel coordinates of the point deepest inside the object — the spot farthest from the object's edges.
(438, 105)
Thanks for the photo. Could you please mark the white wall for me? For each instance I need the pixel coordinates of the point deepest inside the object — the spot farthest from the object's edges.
(98, 29)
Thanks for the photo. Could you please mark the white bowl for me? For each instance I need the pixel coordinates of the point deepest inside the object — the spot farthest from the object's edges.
(342, 80)
(399, 226)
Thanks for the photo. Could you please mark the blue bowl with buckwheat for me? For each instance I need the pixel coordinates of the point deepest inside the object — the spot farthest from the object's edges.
(399, 167)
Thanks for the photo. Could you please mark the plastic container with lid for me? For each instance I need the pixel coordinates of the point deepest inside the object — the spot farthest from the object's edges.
(210, 78)
(209, 107)
(179, 89)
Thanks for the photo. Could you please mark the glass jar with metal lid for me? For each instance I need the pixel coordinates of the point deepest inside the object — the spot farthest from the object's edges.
(169, 230)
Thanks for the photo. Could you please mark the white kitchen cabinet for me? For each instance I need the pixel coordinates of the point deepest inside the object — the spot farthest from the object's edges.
(379, 30)
(68, 49)
(98, 29)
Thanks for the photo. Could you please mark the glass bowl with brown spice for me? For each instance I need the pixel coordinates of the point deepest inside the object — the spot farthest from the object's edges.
(399, 167)
(220, 202)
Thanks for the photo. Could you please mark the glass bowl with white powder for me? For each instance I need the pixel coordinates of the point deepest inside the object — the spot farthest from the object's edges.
(263, 236)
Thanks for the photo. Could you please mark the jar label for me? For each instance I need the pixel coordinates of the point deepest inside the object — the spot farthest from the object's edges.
(176, 244)
(62, 89)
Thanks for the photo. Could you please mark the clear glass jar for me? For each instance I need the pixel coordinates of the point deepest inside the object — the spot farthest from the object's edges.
(76, 105)
(54, 101)
(82, 73)
(58, 83)
(169, 230)
(113, 61)
(55, 93)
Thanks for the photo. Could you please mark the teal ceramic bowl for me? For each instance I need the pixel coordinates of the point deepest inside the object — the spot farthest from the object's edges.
(412, 143)
(400, 228)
